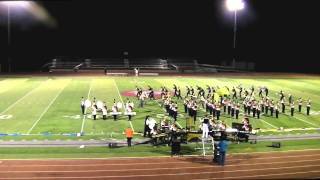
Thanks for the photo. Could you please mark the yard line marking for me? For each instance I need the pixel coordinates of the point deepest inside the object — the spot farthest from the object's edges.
(268, 123)
(140, 169)
(122, 101)
(85, 110)
(47, 108)
(302, 120)
(27, 94)
(182, 174)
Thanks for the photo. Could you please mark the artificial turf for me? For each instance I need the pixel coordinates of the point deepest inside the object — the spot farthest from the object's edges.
(46, 107)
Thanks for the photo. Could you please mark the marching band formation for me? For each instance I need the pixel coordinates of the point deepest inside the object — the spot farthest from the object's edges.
(215, 101)
(101, 107)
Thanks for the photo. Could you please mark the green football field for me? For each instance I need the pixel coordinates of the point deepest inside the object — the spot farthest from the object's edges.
(43, 107)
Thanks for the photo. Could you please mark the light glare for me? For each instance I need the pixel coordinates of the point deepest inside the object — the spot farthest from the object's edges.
(16, 3)
(234, 5)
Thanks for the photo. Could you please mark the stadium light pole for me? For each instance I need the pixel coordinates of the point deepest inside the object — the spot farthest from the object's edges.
(234, 6)
(9, 5)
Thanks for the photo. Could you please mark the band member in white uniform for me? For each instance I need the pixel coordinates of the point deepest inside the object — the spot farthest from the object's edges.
(82, 104)
(104, 113)
(114, 111)
(94, 112)
(308, 107)
(205, 128)
(129, 110)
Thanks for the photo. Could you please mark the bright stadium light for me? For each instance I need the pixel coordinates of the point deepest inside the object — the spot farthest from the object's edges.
(13, 5)
(234, 6)
(16, 3)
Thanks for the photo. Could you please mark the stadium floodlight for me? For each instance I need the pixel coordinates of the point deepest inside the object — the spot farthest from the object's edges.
(234, 6)
(13, 5)
(16, 4)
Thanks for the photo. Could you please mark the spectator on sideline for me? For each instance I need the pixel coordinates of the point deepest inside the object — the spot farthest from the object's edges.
(129, 135)
(223, 146)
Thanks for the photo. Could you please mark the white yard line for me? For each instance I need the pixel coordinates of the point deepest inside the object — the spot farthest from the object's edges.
(47, 108)
(85, 110)
(122, 101)
(27, 94)
(268, 123)
(304, 121)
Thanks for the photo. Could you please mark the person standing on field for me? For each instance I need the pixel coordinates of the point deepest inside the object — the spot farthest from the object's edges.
(129, 135)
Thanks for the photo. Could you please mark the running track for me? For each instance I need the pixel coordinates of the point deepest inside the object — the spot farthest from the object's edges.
(289, 165)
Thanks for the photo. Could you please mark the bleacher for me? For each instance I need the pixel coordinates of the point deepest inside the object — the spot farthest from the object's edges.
(147, 66)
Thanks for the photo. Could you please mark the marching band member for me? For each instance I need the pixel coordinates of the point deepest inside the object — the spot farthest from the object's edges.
(254, 109)
(147, 130)
(266, 90)
(292, 108)
(82, 104)
(277, 110)
(214, 108)
(300, 104)
(164, 124)
(203, 101)
(173, 127)
(281, 95)
(175, 112)
(237, 110)
(245, 109)
(224, 103)
(141, 98)
(262, 104)
(271, 107)
(260, 92)
(308, 107)
(104, 113)
(240, 91)
(185, 104)
(205, 128)
(232, 109)
(258, 111)
(151, 93)
(129, 111)
(290, 98)
(192, 91)
(94, 112)
(151, 123)
(283, 105)
(266, 104)
(188, 91)
(249, 104)
(194, 110)
(179, 93)
(114, 111)
(229, 106)
(218, 110)
(189, 105)
(175, 89)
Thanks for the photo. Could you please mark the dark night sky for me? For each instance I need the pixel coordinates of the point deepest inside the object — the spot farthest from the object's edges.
(276, 34)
